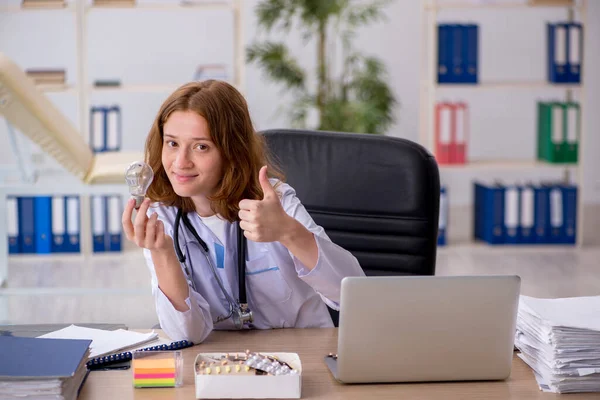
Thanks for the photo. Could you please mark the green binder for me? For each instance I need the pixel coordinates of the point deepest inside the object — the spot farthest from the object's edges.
(572, 132)
(551, 132)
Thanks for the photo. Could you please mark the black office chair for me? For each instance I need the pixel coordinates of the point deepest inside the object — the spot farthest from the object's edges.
(376, 196)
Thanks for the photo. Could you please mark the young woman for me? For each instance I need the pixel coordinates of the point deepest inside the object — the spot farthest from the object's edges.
(211, 168)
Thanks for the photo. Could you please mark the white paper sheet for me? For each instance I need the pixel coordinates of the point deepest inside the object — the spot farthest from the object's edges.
(105, 342)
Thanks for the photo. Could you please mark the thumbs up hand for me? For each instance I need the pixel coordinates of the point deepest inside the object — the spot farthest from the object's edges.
(264, 220)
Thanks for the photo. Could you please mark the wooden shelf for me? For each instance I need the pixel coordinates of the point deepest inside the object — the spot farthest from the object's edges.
(142, 88)
(148, 88)
(57, 88)
(208, 5)
(501, 5)
(18, 9)
(504, 85)
(508, 164)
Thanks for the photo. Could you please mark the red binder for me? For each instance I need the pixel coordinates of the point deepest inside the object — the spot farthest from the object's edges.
(444, 132)
(458, 153)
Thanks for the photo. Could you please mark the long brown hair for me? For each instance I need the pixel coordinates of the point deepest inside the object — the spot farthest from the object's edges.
(243, 151)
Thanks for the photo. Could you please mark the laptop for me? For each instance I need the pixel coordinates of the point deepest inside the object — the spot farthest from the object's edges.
(425, 328)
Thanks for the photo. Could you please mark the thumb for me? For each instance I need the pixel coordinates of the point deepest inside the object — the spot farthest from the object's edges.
(266, 186)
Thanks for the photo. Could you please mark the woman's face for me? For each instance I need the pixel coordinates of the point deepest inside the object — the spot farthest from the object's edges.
(191, 160)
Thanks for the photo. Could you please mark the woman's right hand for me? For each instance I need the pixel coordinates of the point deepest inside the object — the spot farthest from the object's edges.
(148, 233)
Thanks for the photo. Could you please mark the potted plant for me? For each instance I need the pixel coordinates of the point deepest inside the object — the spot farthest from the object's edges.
(358, 98)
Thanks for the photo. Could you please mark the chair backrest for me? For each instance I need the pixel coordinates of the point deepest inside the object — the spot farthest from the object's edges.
(376, 196)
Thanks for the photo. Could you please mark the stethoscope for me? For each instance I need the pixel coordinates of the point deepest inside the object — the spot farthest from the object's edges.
(239, 311)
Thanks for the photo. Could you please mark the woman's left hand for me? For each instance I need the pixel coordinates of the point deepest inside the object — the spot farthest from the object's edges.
(264, 220)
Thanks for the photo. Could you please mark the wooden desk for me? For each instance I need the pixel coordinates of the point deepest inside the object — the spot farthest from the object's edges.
(317, 382)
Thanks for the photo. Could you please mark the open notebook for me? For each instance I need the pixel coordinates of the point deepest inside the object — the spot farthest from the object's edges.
(107, 342)
(35, 116)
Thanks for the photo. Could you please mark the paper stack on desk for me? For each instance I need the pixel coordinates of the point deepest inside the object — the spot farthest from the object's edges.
(105, 342)
(560, 340)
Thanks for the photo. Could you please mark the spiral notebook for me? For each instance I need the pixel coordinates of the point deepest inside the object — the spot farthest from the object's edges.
(102, 362)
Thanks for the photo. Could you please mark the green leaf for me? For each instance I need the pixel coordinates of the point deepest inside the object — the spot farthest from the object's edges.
(270, 12)
(364, 14)
(279, 65)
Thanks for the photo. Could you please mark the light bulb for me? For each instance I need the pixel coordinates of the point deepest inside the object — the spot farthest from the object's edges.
(138, 176)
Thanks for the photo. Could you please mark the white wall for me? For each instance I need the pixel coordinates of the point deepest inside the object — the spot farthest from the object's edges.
(591, 119)
(164, 47)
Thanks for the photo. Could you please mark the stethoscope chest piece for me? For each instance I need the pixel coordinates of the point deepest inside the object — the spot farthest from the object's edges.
(239, 311)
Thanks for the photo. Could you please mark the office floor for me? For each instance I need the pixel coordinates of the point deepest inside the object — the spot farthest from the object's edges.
(116, 288)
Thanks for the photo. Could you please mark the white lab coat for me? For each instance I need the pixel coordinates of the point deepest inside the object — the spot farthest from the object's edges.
(281, 291)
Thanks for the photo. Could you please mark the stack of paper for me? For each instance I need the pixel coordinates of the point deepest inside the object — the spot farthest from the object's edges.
(560, 340)
(105, 342)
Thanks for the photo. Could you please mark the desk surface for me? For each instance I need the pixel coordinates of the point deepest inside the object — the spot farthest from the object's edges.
(317, 382)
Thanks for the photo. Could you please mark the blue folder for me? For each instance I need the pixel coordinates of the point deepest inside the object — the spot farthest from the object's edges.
(443, 217)
(556, 225)
(558, 67)
(489, 213)
(73, 226)
(457, 74)
(542, 214)
(527, 215)
(113, 125)
(99, 223)
(59, 223)
(444, 53)
(26, 207)
(575, 38)
(24, 357)
(569, 194)
(470, 48)
(14, 238)
(43, 224)
(113, 218)
(98, 121)
(512, 214)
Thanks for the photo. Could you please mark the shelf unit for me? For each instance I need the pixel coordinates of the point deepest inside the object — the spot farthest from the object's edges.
(524, 85)
(83, 89)
(492, 5)
(429, 89)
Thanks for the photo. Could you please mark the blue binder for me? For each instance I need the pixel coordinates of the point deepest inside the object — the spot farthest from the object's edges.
(12, 214)
(114, 227)
(98, 206)
(558, 67)
(98, 121)
(27, 224)
(59, 223)
(512, 206)
(527, 215)
(557, 220)
(489, 213)
(43, 224)
(443, 217)
(575, 50)
(72, 235)
(444, 53)
(569, 195)
(113, 124)
(542, 214)
(458, 61)
(470, 48)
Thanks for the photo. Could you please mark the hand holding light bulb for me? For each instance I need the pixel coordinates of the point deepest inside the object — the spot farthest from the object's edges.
(146, 232)
(138, 176)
